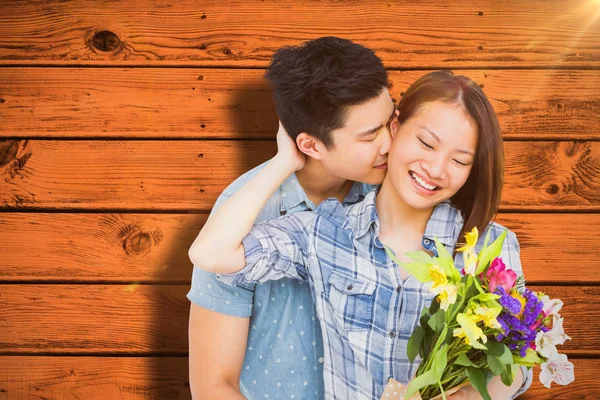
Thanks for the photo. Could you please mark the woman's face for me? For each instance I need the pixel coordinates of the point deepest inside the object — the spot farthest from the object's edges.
(432, 155)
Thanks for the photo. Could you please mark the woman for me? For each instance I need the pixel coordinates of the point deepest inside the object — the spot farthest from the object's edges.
(445, 175)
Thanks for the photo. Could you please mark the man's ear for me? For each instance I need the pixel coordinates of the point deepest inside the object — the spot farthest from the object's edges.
(310, 145)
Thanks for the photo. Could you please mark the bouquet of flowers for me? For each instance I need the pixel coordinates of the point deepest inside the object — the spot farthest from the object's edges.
(483, 319)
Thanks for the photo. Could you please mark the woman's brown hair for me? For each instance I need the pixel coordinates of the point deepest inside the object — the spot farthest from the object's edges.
(479, 198)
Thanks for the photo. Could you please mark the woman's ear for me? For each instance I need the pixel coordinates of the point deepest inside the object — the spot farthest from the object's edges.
(395, 124)
(310, 145)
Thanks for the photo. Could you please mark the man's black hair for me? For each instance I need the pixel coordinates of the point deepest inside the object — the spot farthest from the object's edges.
(314, 84)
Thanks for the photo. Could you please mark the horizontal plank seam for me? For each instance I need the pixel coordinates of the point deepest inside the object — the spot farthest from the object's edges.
(579, 356)
(109, 138)
(71, 210)
(573, 67)
(186, 283)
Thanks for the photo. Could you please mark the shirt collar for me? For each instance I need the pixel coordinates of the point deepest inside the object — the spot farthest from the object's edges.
(292, 194)
(363, 215)
(444, 223)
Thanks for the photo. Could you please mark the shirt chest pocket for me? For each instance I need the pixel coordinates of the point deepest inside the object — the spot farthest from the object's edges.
(351, 300)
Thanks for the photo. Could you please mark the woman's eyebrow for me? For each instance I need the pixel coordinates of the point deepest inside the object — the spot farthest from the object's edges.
(436, 137)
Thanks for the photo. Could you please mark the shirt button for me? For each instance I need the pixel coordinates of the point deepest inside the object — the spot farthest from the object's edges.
(392, 334)
(350, 287)
(399, 289)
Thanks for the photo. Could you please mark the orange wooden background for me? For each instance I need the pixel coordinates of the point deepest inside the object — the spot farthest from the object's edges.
(122, 121)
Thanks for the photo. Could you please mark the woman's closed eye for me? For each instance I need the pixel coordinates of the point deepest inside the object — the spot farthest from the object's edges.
(425, 144)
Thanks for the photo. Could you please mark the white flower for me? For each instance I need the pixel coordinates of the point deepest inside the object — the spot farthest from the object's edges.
(546, 342)
(551, 306)
(557, 369)
(544, 345)
(557, 333)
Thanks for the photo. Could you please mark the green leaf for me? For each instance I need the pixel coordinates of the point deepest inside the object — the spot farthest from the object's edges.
(426, 379)
(419, 270)
(464, 361)
(440, 362)
(415, 342)
(496, 366)
(490, 252)
(509, 376)
(530, 359)
(420, 256)
(486, 297)
(477, 379)
(437, 321)
(487, 238)
(444, 257)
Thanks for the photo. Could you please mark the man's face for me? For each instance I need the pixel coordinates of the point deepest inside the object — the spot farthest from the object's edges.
(361, 146)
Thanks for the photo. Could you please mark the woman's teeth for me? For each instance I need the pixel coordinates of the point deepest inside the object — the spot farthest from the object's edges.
(421, 182)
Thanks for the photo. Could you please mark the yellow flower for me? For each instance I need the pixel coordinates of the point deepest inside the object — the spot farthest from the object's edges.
(438, 277)
(447, 296)
(470, 262)
(471, 238)
(488, 316)
(469, 330)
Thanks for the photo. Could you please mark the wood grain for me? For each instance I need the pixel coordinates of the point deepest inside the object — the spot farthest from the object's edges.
(430, 33)
(128, 378)
(189, 175)
(149, 248)
(113, 319)
(215, 103)
(83, 378)
(151, 319)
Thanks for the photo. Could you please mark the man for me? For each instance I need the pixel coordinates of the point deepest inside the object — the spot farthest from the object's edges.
(264, 341)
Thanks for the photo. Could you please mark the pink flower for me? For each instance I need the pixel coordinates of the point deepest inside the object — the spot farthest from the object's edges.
(498, 275)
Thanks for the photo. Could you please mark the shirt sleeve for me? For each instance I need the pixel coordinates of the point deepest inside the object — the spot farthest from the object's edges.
(209, 292)
(275, 249)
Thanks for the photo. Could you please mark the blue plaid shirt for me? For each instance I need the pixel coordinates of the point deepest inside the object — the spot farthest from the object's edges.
(367, 312)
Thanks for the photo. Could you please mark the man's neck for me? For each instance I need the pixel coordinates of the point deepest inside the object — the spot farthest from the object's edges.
(320, 184)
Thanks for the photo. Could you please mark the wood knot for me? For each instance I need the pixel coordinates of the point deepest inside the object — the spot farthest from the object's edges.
(480, 13)
(139, 242)
(2, 100)
(480, 48)
(8, 151)
(552, 189)
(106, 41)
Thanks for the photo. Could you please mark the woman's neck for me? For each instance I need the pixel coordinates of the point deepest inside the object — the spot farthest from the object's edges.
(398, 222)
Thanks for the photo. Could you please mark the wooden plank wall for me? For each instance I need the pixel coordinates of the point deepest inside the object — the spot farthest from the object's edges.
(122, 121)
